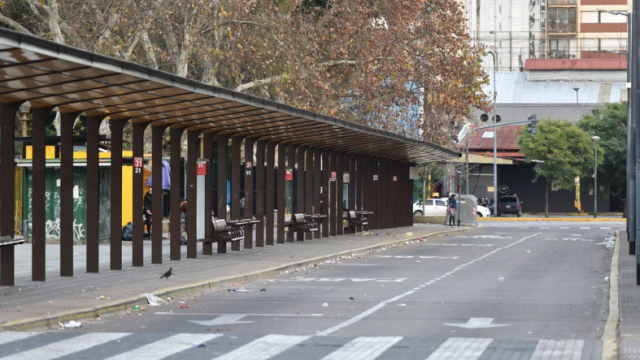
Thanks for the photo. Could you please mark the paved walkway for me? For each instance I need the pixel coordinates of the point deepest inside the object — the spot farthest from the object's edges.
(629, 330)
(58, 295)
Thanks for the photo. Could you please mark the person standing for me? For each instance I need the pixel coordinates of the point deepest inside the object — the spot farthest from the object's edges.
(183, 212)
(147, 211)
(452, 210)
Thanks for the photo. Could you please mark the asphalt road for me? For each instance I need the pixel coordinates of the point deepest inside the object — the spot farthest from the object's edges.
(504, 291)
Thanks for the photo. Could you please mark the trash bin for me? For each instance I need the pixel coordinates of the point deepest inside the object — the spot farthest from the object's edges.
(467, 210)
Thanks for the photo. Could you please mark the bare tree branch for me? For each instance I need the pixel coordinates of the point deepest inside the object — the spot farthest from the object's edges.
(260, 82)
(13, 24)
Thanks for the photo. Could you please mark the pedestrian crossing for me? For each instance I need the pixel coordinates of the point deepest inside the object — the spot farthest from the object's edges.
(143, 346)
(539, 227)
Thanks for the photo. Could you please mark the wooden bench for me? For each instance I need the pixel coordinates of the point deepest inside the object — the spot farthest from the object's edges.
(227, 231)
(356, 220)
(9, 240)
(301, 223)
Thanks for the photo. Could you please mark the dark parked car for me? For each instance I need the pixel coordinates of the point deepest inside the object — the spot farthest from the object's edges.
(510, 204)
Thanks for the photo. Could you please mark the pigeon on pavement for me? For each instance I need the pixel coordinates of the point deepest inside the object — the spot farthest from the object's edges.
(167, 274)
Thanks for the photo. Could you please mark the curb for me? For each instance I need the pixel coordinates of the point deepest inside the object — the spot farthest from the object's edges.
(551, 219)
(95, 311)
(610, 334)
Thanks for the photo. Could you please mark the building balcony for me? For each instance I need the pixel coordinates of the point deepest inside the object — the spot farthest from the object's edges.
(567, 27)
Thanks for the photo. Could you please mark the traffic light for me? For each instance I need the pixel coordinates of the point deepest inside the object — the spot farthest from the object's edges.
(533, 124)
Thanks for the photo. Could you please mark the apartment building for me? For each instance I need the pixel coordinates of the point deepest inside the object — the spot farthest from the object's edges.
(547, 29)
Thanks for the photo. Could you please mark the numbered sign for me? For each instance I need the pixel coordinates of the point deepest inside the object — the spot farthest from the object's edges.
(288, 174)
(201, 168)
(395, 178)
(334, 176)
(375, 177)
(247, 168)
(137, 164)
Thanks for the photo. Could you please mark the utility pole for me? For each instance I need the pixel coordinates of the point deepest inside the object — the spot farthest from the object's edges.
(635, 99)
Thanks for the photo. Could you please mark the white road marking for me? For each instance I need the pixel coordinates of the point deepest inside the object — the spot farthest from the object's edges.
(356, 280)
(166, 347)
(605, 228)
(460, 349)
(418, 257)
(585, 228)
(363, 348)
(11, 336)
(264, 348)
(545, 227)
(558, 350)
(221, 314)
(410, 292)
(481, 245)
(67, 346)
(231, 319)
(477, 323)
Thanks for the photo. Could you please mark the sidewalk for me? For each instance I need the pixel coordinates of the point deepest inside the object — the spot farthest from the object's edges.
(36, 304)
(629, 330)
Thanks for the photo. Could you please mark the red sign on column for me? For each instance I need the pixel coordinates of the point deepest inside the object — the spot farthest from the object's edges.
(201, 168)
(395, 178)
(288, 174)
(334, 175)
(138, 162)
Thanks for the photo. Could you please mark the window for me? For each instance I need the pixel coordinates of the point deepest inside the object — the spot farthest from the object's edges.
(440, 203)
(606, 18)
(429, 202)
(590, 17)
(562, 20)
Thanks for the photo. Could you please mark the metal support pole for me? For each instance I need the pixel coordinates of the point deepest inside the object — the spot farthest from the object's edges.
(7, 190)
(333, 212)
(38, 203)
(282, 156)
(66, 193)
(93, 194)
(248, 191)
(270, 193)
(157, 135)
(175, 135)
(223, 141)
(325, 192)
(340, 194)
(193, 149)
(308, 183)
(138, 196)
(635, 100)
(207, 153)
(595, 183)
(117, 127)
(317, 163)
(495, 134)
(236, 143)
(466, 173)
(631, 148)
(260, 149)
(299, 190)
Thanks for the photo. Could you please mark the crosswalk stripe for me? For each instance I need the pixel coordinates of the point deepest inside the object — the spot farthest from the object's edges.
(67, 346)
(460, 349)
(165, 347)
(558, 350)
(363, 348)
(264, 347)
(11, 336)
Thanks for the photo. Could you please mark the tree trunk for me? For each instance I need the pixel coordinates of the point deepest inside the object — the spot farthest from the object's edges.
(546, 199)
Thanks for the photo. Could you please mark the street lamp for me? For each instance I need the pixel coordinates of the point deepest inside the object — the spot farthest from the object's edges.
(595, 177)
(576, 89)
(495, 133)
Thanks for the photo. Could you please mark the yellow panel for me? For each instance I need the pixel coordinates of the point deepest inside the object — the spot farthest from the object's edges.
(127, 194)
(79, 154)
(50, 152)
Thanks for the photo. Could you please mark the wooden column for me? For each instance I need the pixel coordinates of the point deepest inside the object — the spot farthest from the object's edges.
(260, 187)
(308, 183)
(66, 193)
(175, 135)
(317, 163)
(7, 182)
(333, 195)
(326, 173)
(157, 134)
(282, 156)
(38, 183)
(117, 127)
(271, 189)
(235, 184)
(374, 171)
(299, 189)
(93, 194)
(223, 141)
(207, 153)
(193, 150)
(340, 193)
(138, 196)
(351, 164)
(248, 170)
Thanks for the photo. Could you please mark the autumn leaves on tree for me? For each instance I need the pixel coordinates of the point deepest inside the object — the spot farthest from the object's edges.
(386, 64)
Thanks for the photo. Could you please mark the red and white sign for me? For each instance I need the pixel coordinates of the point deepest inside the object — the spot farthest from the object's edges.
(138, 162)
(334, 175)
(248, 165)
(395, 178)
(288, 174)
(201, 168)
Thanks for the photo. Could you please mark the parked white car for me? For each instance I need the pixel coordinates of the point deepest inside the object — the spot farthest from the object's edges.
(438, 207)
(433, 207)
